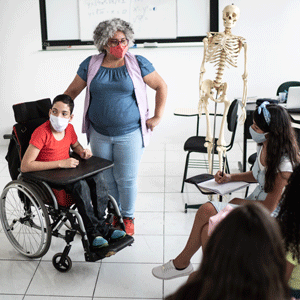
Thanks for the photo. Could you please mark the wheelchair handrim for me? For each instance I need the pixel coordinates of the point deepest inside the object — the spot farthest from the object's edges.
(40, 229)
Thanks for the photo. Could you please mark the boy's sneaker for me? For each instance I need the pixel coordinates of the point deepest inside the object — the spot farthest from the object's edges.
(99, 242)
(115, 234)
(168, 271)
(129, 225)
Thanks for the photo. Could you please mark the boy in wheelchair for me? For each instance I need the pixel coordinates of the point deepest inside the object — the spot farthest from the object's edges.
(49, 149)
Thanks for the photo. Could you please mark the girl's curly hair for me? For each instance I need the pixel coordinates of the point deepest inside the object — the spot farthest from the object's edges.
(288, 216)
(106, 29)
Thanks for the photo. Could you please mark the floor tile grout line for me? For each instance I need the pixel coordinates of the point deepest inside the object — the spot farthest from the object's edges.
(164, 216)
(39, 262)
(96, 281)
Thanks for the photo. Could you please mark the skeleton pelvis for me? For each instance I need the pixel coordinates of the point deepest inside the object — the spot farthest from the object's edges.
(208, 86)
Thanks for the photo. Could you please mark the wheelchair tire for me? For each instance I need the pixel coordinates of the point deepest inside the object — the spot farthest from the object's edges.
(25, 219)
(61, 266)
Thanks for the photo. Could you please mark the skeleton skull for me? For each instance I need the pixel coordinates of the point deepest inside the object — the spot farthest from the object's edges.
(231, 14)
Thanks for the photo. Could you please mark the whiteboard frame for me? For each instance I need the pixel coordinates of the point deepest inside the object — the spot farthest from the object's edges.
(46, 43)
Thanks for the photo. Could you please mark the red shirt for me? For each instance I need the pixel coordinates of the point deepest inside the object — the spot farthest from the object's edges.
(50, 148)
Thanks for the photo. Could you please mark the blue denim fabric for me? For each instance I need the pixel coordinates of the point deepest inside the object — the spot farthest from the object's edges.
(125, 151)
(91, 198)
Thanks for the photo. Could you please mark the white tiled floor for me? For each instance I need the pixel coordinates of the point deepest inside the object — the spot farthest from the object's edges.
(162, 228)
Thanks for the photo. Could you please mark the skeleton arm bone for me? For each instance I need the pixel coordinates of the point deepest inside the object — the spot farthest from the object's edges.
(245, 79)
(202, 68)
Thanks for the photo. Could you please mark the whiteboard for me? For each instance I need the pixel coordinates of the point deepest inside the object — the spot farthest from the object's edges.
(72, 22)
(149, 19)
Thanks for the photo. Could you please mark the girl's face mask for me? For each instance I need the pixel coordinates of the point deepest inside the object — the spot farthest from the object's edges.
(118, 51)
(257, 137)
(59, 124)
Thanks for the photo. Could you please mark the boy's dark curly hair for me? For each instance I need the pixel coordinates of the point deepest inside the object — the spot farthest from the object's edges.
(288, 216)
(64, 99)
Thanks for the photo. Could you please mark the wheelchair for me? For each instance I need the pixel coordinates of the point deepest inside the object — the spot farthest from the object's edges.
(32, 210)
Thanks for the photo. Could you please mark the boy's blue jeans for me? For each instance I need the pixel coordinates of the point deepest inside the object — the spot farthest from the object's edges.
(125, 152)
(91, 198)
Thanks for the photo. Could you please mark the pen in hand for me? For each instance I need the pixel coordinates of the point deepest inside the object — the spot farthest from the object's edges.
(223, 165)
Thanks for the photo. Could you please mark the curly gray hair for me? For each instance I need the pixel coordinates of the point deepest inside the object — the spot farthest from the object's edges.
(107, 29)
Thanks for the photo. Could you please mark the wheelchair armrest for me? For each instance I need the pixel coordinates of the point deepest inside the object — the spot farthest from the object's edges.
(7, 136)
(62, 177)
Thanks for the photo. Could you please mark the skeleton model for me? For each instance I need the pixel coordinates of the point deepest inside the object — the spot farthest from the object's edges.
(221, 49)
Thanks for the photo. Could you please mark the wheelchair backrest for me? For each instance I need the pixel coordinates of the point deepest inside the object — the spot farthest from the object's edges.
(28, 115)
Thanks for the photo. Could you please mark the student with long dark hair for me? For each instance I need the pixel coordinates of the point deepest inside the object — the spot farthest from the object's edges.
(289, 220)
(277, 156)
(244, 259)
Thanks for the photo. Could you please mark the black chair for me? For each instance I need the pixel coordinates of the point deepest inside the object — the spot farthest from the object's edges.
(196, 143)
(30, 212)
(284, 87)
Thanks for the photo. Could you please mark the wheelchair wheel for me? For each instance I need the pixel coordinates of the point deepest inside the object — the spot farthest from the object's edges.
(25, 219)
(61, 266)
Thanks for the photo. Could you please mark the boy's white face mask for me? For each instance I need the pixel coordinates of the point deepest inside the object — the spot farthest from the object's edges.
(59, 124)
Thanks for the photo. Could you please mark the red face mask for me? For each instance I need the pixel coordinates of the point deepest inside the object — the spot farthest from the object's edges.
(118, 51)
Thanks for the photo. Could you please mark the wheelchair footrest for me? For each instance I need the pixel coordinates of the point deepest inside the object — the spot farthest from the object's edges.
(111, 249)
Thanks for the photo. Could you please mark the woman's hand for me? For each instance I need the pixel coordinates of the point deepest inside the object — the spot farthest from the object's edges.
(86, 154)
(69, 163)
(152, 122)
(222, 177)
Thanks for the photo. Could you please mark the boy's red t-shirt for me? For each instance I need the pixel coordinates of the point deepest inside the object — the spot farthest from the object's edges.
(50, 148)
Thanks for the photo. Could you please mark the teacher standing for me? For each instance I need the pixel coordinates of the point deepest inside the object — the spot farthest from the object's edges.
(116, 115)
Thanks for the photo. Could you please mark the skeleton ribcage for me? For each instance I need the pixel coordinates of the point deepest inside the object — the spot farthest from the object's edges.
(223, 50)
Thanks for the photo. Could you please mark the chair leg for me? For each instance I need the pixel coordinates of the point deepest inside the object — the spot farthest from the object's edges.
(185, 170)
(227, 166)
(247, 190)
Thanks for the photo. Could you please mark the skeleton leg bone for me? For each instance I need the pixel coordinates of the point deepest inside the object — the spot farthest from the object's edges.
(206, 92)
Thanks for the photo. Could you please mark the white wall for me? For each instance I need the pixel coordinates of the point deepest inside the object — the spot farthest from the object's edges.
(27, 73)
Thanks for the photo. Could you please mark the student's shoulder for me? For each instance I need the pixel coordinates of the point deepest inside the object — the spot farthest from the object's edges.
(41, 135)
(70, 129)
(289, 258)
(43, 129)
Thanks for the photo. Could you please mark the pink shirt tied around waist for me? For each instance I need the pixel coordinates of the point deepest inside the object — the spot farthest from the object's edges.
(139, 85)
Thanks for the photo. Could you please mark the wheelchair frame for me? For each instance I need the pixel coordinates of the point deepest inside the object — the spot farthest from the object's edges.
(30, 215)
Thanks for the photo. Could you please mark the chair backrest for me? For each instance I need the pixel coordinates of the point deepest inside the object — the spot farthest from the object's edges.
(28, 115)
(232, 120)
(297, 133)
(285, 86)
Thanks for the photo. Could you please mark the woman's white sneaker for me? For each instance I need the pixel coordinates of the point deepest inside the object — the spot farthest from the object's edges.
(168, 271)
